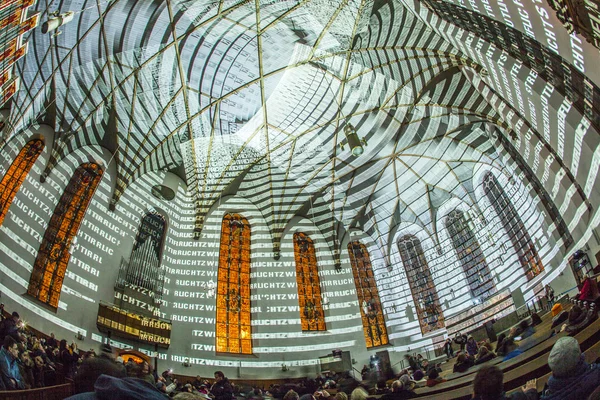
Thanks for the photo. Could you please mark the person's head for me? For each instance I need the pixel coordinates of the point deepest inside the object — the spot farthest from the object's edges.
(15, 316)
(63, 344)
(397, 386)
(470, 338)
(11, 346)
(52, 335)
(483, 351)
(359, 394)
(418, 375)
(39, 361)
(564, 356)
(433, 374)
(341, 396)
(186, 396)
(501, 337)
(91, 368)
(291, 395)
(488, 383)
(574, 314)
(524, 324)
(219, 376)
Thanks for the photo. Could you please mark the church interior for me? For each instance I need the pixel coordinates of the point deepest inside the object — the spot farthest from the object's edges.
(277, 188)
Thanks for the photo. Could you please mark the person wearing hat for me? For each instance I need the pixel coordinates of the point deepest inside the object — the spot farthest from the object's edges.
(572, 378)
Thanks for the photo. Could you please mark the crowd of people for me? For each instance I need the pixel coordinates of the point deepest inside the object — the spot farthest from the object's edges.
(28, 361)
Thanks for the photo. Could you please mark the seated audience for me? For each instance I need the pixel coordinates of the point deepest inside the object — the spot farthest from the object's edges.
(572, 378)
(511, 350)
(489, 385)
(91, 368)
(434, 378)
(484, 355)
(291, 395)
(9, 365)
(472, 347)
(463, 363)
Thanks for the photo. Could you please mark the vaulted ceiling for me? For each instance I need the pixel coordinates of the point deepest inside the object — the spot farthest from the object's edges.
(252, 98)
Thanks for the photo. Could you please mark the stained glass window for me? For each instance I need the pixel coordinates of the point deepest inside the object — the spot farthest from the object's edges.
(422, 288)
(18, 170)
(521, 241)
(53, 257)
(470, 255)
(234, 333)
(368, 296)
(312, 317)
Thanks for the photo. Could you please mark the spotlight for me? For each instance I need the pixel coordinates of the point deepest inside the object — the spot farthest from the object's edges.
(353, 141)
(56, 21)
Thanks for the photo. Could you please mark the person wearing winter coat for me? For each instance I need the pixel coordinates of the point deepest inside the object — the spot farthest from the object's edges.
(572, 378)
(221, 389)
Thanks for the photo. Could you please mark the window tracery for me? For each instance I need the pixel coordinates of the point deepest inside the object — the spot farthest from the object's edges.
(371, 311)
(470, 255)
(312, 317)
(16, 174)
(53, 256)
(234, 332)
(420, 281)
(519, 237)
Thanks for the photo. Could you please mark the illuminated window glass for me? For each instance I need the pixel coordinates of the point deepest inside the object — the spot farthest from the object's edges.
(422, 288)
(309, 285)
(521, 241)
(53, 257)
(234, 333)
(368, 296)
(470, 255)
(18, 170)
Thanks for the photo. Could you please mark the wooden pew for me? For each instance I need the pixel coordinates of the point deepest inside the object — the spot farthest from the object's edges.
(515, 377)
(58, 392)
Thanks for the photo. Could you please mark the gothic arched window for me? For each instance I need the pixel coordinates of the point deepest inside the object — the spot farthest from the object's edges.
(234, 332)
(470, 255)
(422, 288)
(312, 317)
(143, 270)
(519, 237)
(53, 257)
(368, 296)
(16, 174)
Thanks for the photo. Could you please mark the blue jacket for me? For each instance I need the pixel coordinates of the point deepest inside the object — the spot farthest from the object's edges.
(9, 369)
(513, 354)
(584, 379)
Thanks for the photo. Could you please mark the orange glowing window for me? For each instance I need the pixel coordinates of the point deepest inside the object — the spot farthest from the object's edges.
(368, 296)
(312, 317)
(53, 257)
(511, 221)
(234, 332)
(18, 170)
